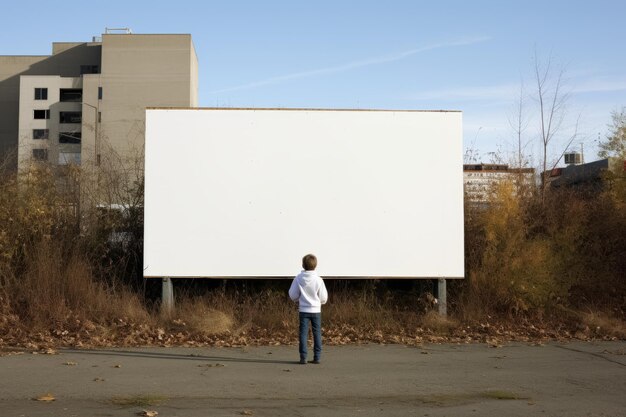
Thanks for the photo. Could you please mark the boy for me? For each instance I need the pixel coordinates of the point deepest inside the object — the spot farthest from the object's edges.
(309, 291)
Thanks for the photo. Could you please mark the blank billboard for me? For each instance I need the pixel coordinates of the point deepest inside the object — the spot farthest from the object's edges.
(247, 192)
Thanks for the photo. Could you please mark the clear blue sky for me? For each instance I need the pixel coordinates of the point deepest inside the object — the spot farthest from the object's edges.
(469, 56)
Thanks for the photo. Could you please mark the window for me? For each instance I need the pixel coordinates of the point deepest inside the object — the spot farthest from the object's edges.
(41, 93)
(40, 133)
(99, 93)
(70, 117)
(66, 158)
(70, 137)
(89, 69)
(41, 114)
(71, 94)
(40, 154)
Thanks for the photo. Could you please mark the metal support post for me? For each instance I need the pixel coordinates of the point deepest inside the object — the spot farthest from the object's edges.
(167, 296)
(441, 297)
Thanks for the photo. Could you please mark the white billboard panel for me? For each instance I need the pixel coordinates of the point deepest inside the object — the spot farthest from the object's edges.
(248, 192)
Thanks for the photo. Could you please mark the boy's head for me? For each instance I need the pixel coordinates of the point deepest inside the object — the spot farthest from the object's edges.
(309, 262)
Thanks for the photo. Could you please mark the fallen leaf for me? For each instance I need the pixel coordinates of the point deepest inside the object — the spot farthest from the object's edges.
(46, 398)
(98, 379)
(70, 363)
(117, 366)
(148, 413)
(11, 353)
(494, 343)
(246, 413)
(286, 370)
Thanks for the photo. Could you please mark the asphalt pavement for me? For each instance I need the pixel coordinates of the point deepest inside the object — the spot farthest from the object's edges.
(573, 379)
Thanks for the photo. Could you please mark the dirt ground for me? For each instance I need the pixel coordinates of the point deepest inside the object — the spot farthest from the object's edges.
(555, 379)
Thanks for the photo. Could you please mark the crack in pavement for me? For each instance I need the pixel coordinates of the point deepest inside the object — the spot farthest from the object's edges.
(599, 355)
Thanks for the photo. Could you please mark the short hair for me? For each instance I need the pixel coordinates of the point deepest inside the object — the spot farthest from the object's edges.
(309, 262)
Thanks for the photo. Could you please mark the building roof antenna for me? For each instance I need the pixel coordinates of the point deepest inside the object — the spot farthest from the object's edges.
(119, 31)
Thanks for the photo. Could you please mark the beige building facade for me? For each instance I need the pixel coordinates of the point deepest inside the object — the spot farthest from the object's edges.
(49, 119)
(87, 99)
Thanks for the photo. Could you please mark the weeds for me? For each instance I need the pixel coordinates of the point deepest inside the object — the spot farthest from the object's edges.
(601, 324)
(200, 316)
(438, 324)
(528, 258)
(63, 279)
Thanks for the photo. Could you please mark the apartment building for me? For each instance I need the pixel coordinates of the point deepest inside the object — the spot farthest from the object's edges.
(88, 98)
(479, 180)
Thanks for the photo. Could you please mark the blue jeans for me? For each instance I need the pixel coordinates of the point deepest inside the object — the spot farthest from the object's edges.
(316, 323)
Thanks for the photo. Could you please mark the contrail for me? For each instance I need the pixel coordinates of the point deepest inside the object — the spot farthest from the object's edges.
(352, 65)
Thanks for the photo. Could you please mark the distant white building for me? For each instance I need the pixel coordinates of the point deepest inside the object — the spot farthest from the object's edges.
(479, 179)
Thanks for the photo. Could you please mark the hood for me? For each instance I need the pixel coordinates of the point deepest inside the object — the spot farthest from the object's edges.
(307, 275)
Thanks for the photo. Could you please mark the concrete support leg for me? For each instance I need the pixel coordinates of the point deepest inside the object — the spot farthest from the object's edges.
(167, 297)
(442, 297)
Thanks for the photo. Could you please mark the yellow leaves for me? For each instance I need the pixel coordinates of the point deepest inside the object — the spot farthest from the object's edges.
(503, 217)
(45, 398)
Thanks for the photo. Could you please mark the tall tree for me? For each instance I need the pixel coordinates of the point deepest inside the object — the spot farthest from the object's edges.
(519, 123)
(552, 100)
(615, 144)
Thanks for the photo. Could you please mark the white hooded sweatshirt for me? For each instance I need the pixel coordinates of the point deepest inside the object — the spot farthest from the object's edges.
(309, 290)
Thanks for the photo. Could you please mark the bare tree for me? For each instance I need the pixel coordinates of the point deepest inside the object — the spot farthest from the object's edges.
(471, 154)
(552, 100)
(615, 144)
(519, 123)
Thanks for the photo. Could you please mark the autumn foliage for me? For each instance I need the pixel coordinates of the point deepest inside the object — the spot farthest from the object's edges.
(527, 257)
(70, 274)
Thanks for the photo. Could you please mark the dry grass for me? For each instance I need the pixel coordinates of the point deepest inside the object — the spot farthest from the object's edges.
(602, 324)
(197, 315)
(53, 290)
(357, 308)
(61, 278)
(440, 325)
(525, 256)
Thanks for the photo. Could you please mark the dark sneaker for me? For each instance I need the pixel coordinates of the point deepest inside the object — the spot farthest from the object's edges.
(315, 361)
(302, 361)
